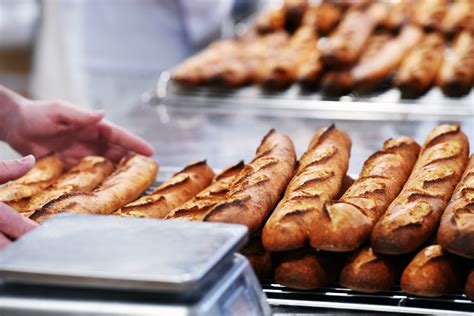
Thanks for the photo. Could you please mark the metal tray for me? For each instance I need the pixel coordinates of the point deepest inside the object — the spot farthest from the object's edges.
(127, 253)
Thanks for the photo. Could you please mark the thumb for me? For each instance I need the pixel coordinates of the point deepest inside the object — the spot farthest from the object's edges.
(14, 169)
(71, 115)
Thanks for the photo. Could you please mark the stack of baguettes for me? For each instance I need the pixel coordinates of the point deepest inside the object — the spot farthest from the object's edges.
(409, 215)
(342, 46)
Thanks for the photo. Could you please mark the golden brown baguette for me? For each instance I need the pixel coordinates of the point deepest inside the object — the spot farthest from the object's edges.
(183, 186)
(271, 20)
(414, 215)
(456, 229)
(433, 272)
(294, 12)
(398, 15)
(456, 75)
(84, 177)
(308, 269)
(42, 175)
(346, 224)
(198, 207)
(134, 174)
(371, 272)
(259, 186)
(322, 17)
(469, 287)
(419, 69)
(317, 181)
(429, 14)
(459, 17)
(347, 42)
(381, 58)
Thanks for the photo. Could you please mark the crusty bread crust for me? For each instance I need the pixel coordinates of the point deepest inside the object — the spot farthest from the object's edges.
(198, 207)
(456, 229)
(259, 186)
(133, 176)
(348, 222)
(414, 215)
(318, 180)
(183, 186)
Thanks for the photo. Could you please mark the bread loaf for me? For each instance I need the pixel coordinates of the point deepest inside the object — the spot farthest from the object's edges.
(456, 75)
(259, 186)
(317, 181)
(308, 269)
(469, 287)
(414, 215)
(134, 174)
(370, 272)
(459, 17)
(259, 258)
(183, 186)
(433, 272)
(322, 17)
(294, 12)
(419, 69)
(456, 229)
(84, 177)
(41, 176)
(429, 14)
(346, 224)
(198, 207)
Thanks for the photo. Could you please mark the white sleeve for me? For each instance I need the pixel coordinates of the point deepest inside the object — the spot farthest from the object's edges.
(203, 18)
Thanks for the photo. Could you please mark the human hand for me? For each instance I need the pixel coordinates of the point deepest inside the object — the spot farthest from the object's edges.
(42, 127)
(12, 224)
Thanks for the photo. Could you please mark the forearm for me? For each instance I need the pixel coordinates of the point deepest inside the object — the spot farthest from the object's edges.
(9, 108)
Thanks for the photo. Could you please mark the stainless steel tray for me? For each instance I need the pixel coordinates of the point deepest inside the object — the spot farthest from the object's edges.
(380, 105)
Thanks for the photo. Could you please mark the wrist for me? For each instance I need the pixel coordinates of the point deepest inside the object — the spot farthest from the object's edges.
(9, 109)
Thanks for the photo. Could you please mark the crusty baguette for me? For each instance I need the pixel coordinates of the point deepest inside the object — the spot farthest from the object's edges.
(84, 177)
(317, 181)
(294, 12)
(414, 215)
(134, 174)
(456, 229)
(43, 173)
(433, 272)
(270, 21)
(347, 42)
(347, 223)
(183, 186)
(419, 69)
(198, 207)
(398, 15)
(380, 59)
(260, 259)
(460, 17)
(370, 272)
(469, 287)
(308, 269)
(322, 17)
(456, 75)
(429, 14)
(259, 186)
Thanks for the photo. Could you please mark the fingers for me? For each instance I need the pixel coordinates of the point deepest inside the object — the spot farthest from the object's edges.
(12, 223)
(115, 135)
(4, 241)
(14, 169)
(69, 115)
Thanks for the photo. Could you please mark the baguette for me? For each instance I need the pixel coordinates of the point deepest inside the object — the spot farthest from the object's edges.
(456, 75)
(381, 58)
(370, 272)
(258, 187)
(41, 176)
(347, 42)
(347, 223)
(84, 177)
(183, 186)
(414, 215)
(456, 229)
(398, 15)
(459, 17)
(134, 174)
(198, 207)
(433, 272)
(323, 17)
(418, 70)
(429, 14)
(294, 12)
(271, 21)
(259, 258)
(317, 181)
(308, 269)
(469, 287)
